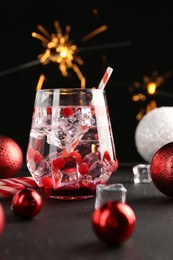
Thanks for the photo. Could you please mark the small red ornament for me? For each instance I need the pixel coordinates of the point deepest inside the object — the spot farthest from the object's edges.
(11, 157)
(2, 219)
(161, 169)
(113, 222)
(26, 203)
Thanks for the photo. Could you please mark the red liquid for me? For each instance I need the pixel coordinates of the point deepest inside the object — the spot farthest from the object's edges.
(69, 194)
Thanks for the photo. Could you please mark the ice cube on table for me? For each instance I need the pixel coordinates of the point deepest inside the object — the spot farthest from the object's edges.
(141, 173)
(108, 192)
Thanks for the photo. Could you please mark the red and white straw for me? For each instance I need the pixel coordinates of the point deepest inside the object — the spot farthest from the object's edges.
(9, 186)
(105, 78)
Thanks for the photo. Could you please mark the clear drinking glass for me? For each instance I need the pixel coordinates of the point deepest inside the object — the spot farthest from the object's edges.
(71, 147)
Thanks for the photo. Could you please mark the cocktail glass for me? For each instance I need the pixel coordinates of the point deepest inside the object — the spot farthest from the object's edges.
(71, 147)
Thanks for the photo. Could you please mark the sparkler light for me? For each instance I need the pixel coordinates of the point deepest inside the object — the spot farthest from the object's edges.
(60, 49)
(146, 91)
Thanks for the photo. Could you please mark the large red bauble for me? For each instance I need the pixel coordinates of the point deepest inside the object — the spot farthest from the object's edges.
(11, 157)
(2, 219)
(26, 203)
(113, 222)
(161, 169)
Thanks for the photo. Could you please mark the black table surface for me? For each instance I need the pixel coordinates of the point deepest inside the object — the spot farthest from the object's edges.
(63, 229)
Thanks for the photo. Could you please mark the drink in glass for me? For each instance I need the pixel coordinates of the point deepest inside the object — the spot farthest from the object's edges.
(71, 147)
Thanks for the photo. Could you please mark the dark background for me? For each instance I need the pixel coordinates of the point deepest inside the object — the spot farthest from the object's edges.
(141, 35)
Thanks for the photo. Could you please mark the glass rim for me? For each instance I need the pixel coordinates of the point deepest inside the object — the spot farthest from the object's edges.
(69, 89)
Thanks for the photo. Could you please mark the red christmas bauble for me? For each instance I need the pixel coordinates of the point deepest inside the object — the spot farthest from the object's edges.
(2, 219)
(11, 157)
(113, 222)
(26, 203)
(161, 169)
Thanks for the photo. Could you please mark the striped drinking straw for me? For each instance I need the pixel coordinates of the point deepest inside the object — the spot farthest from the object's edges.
(105, 78)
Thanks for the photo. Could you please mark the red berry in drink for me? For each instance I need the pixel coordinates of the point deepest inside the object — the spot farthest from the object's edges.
(30, 153)
(83, 168)
(37, 157)
(58, 163)
(47, 182)
(49, 110)
(67, 111)
(106, 156)
(76, 155)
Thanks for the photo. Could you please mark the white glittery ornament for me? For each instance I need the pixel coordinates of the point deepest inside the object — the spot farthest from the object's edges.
(153, 131)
